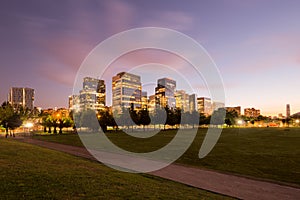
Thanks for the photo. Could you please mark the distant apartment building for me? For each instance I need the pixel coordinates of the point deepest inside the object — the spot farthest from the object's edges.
(126, 91)
(288, 111)
(74, 103)
(251, 112)
(92, 96)
(21, 97)
(165, 93)
(217, 105)
(144, 100)
(205, 106)
(192, 103)
(236, 109)
(182, 100)
(151, 103)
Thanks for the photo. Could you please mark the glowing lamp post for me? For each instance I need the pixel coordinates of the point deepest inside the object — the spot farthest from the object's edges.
(240, 122)
(28, 125)
(297, 122)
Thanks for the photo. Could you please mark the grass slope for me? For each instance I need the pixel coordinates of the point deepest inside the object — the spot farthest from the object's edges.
(31, 172)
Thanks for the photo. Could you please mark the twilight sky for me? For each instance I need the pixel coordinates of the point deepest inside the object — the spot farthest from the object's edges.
(255, 44)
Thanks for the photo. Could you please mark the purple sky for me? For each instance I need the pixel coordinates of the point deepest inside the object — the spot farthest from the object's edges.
(255, 44)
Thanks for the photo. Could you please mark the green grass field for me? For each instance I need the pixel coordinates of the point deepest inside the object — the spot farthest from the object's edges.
(31, 172)
(268, 153)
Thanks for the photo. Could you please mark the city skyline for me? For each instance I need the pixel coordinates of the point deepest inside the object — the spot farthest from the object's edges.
(133, 84)
(254, 45)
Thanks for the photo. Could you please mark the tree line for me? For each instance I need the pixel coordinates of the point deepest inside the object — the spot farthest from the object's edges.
(160, 118)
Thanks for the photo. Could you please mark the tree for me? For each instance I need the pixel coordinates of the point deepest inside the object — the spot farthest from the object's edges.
(203, 120)
(144, 118)
(105, 120)
(9, 118)
(124, 119)
(192, 118)
(87, 119)
(230, 117)
(172, 117)
(64, 123)
(218, 117)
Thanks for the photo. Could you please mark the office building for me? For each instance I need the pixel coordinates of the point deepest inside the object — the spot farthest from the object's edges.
(193, 102)
(74, 103)
(182, 100)
(126, 92)
(205, 106)
(21, 97)
(144, 100)
(288, 111)
(151, 103)
(92, 96)
(165, 93)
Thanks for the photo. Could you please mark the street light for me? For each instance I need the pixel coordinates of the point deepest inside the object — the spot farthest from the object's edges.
(297, 121)
(28, 125)
(240, 122)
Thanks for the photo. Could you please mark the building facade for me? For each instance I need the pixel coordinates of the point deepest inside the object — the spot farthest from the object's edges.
(236, 109)
(205, 106)
(288, 111)
(193, 102)
(92, 96)
(74, 103)
(144, 100)
(251, 112)
(151, 103)
(182, 100)
(21, 97)
(126, 92)
(165, 93)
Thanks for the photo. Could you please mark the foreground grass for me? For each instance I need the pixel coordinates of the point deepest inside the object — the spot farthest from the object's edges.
(31, 172)
(271, 153)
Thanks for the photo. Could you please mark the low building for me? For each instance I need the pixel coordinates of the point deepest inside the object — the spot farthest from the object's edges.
(236, 109)
(251, 112)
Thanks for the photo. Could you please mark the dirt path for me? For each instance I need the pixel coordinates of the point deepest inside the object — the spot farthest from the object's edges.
(231, 185)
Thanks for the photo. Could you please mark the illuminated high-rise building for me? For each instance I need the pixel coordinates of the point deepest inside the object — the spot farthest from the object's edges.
(288, 111)
(205, 106)
(144, 100)
(74, 103)
(182, 100)
(92, 96)
(165, 92)
(151, 103)
(126, 91)
(193, 102)
(21, 97)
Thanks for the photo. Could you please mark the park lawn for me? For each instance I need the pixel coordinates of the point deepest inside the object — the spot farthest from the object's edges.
(32, 172)
(268, 153)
